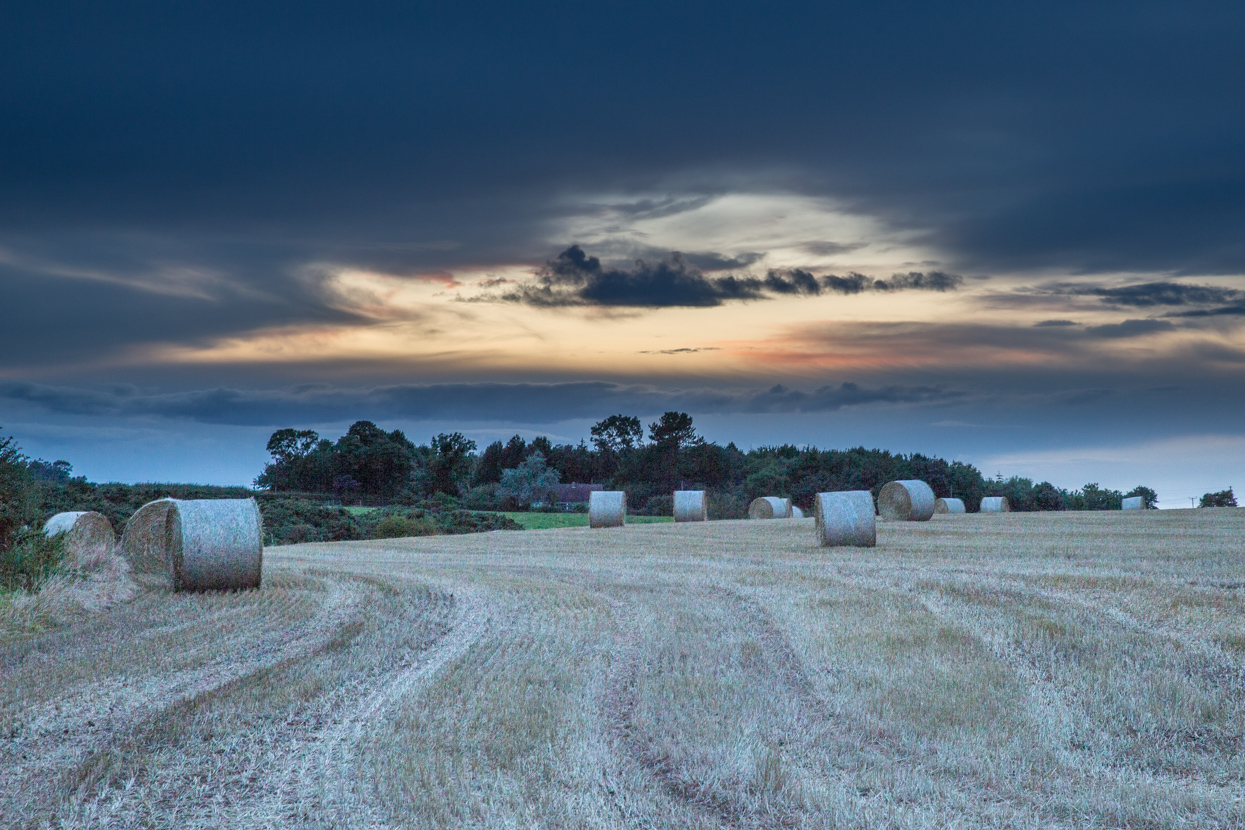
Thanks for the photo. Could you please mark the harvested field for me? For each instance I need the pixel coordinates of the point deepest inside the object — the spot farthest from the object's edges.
(1071, 670)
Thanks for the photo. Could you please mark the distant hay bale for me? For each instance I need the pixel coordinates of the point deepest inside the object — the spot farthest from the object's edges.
(846, 519)
(906, 501)
(995, 504)
(948, 505)
(88, 536)
(196, 544)
(1133, 503)
(770, 507)
(607, 508)
(796, 513)
(689, 506)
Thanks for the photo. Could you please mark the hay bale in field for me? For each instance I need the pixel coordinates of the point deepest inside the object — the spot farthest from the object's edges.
(196, 544)
(1133, 503)
(88, 535)
(689, 506)
(948, 505)
(607, 508)
(144, 544)
(995, 504)
(796, 513)
(906, 501)
(215, 544)
(770, 507)
(846, 519)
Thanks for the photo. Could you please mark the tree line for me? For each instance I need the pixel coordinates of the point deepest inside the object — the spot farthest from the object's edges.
(368, 465)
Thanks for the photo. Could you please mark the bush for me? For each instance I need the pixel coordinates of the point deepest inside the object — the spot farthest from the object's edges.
(482, 497)
(396, 527)
(291, 521)
(726, 504)
(659, 505)
(30, 559)
(19, 495)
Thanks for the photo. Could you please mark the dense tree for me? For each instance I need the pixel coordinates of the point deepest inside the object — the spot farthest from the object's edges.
(1149, 498)
(450, 462)
(674, 430)
(1224, 498)
(377, 466)
(530, 482)
(617, 433)
(1093, 497)
(489, 466)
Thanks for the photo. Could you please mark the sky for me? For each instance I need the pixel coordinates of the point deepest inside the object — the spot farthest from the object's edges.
(1001, 233)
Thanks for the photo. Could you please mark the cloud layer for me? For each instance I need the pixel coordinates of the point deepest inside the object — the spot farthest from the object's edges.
(468, 402)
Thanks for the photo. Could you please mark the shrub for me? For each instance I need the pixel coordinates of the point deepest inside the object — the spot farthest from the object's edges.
(30, 560)
(482, 497)
(290, 521)
(19, 495)
(395, 527)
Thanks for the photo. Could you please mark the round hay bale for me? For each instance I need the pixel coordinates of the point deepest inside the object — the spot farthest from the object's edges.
(196, 544)
(145, 545)
(796, 513)
(770, 507)
(948, 505)
(607, 508)
(846, 519)
(995, 504)
(215, 544)
(1133, 503)
(906, 501)
(689, 506)
(88, 535)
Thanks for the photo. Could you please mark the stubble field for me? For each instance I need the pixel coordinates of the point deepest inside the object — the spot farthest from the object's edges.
(1079, 670)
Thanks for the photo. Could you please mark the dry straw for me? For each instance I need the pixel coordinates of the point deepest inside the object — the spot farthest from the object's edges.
(846, 519)
(607, 508)
(689, 506)
(89, 538)
(796, 513)
(906, 501)
(949, 506)
(1133, 503)
(197, 544)
(770, 507)
(995, 504)
(144, 544)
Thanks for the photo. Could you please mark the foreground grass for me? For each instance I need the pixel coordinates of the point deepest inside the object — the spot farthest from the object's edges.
(1009, 671)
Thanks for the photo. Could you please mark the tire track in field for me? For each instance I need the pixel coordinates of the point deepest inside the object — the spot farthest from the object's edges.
(33, 763)
(326, 785)
(621, 700)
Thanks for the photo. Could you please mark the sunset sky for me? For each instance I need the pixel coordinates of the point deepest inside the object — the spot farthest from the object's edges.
(1010, 235)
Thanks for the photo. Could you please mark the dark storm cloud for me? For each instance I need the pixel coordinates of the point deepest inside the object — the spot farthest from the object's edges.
(468, 402)
(1068, 135)
(576, 279)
